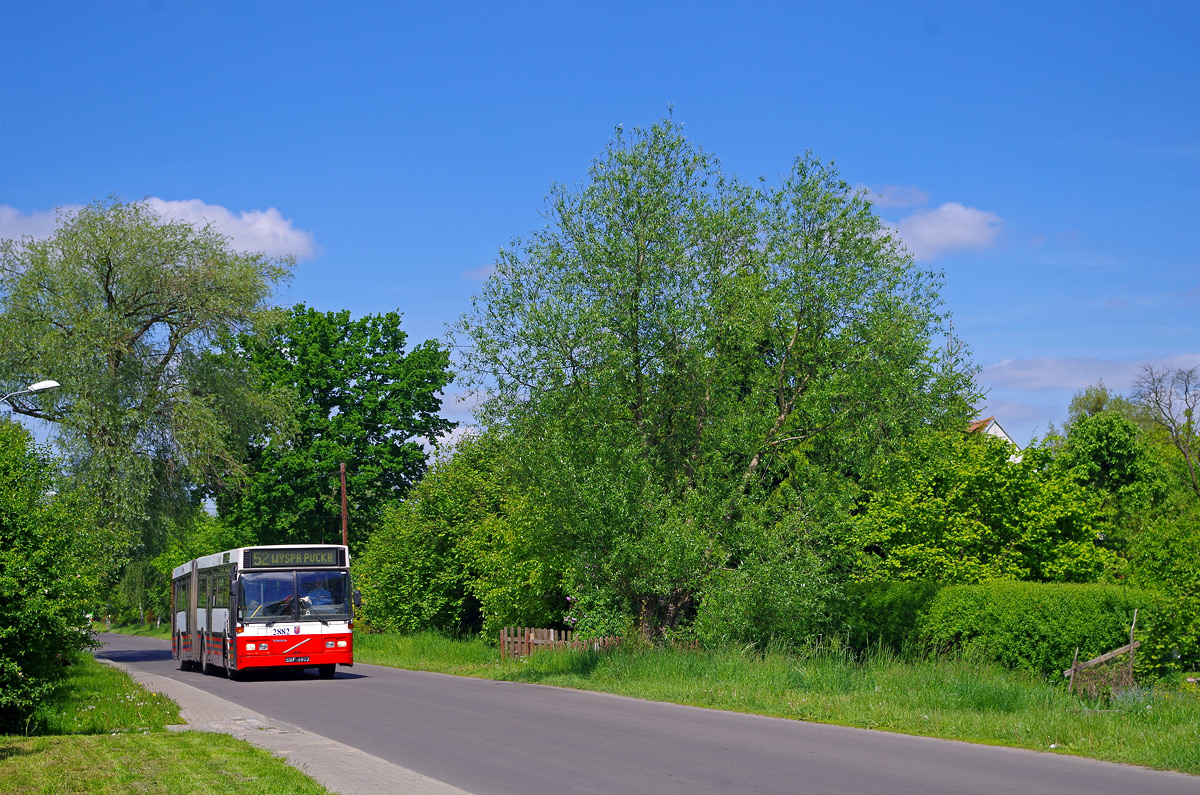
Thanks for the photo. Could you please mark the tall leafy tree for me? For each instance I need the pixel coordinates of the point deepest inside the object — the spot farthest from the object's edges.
(361, 400)
(676, 343)
(121, 306)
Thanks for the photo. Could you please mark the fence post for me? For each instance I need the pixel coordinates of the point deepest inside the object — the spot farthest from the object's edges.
(1074, 660)
(1131, 626)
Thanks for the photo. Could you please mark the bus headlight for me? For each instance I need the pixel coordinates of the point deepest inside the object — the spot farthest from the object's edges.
(249, 647)
(329, 644)
(341, 644)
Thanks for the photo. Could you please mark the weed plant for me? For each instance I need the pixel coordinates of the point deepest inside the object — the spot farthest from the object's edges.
(959, 698)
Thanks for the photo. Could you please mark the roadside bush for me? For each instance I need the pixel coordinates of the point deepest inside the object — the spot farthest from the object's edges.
(883, 614)
(1037, 626)
(1165, 559)
(46, 579)
(410, 575)
(415, 571)
(782, 596)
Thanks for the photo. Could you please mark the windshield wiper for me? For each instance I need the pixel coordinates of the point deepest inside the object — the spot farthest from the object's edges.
(278, 611)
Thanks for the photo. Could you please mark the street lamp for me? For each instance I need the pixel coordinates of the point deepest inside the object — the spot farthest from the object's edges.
(33, 389)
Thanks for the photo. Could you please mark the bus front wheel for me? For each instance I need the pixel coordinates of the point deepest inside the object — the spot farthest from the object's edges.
(326, 671)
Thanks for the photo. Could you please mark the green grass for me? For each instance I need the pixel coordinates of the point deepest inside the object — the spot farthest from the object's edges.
(97, 699)
(168, 763)
(141, 630)
(953, 699)
(104, 733)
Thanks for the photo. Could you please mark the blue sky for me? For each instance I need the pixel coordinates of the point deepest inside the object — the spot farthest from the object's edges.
(1045, 156)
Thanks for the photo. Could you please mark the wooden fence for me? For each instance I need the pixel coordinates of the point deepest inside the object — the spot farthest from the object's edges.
(523, 641)
(1118, 679)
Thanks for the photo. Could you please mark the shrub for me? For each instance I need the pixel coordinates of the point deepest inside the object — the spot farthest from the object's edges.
(883, 614)
(409, 574)
(783, 596)
(1037, 626)
(45, 579)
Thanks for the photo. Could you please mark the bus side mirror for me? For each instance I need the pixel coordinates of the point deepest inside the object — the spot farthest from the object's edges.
(357, 598)
(233, 589)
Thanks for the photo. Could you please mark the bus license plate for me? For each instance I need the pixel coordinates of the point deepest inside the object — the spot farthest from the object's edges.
(295, 659)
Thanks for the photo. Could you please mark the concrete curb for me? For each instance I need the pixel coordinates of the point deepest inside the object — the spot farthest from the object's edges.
(338, 767)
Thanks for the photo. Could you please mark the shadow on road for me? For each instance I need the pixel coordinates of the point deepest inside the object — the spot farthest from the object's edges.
(289, 674)
(134, 656)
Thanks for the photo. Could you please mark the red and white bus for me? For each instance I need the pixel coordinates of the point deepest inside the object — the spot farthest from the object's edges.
(264, 607)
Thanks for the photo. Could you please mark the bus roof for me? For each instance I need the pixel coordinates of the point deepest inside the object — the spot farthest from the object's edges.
(272, 556)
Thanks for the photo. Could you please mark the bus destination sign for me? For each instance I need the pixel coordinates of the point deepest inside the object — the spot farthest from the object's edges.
(292, 558)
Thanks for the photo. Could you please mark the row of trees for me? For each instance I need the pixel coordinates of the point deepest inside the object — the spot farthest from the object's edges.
(182, 383)
(689, 379)
(183, 388)
(709, 405)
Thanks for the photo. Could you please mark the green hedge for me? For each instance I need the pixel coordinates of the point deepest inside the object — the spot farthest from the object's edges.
(1037, 626)
(884, 614)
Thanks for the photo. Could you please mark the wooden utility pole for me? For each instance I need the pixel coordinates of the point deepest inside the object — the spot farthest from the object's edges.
(345, 524)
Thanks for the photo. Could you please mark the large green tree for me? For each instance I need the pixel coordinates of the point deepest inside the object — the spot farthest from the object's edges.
(361, 400)
(676, 344)
(122, 306)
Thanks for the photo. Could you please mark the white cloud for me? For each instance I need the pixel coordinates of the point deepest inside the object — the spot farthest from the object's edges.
(15, 224)
(479, 274)
(448, 440)
(1047, 373)
(951, 227)
(250, 230)
(458, 407)
(898, 196)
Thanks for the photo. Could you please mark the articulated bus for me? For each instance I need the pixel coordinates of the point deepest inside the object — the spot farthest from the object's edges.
(264, 607)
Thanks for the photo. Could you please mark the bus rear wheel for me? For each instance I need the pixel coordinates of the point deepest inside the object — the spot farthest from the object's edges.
(326, 671)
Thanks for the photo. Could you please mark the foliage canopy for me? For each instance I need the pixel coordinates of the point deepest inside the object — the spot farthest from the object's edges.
(360, 399)
(677, 344)
(122, 306)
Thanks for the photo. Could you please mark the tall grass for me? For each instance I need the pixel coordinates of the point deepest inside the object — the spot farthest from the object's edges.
(953, 698)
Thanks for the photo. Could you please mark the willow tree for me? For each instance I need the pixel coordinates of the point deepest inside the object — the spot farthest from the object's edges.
(675, 345)
(122, 307)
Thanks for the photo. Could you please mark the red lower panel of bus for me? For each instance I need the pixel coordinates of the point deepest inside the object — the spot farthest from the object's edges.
(295, 650)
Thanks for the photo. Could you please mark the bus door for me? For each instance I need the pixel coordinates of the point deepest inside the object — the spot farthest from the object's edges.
(193, 638)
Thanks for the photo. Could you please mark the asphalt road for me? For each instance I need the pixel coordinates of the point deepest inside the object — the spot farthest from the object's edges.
(502, 737)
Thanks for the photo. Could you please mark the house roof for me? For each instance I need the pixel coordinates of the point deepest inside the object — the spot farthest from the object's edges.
(989, 426)
(980, 425)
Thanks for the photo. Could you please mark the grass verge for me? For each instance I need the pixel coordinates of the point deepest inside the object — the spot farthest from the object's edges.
(141, 630)
(952, 699)
(103, 733)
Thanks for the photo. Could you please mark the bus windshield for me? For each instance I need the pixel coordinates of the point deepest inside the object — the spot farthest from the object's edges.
(314, 595)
